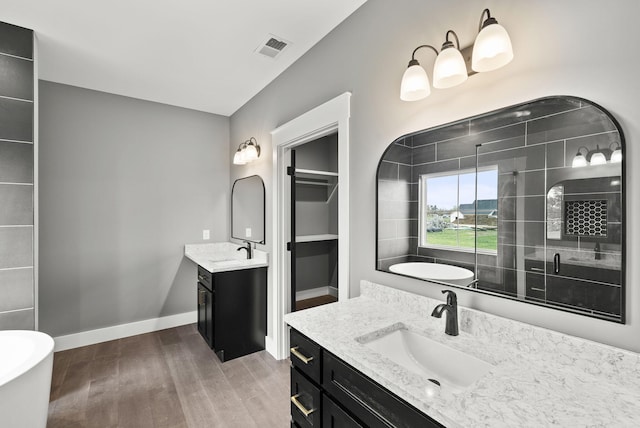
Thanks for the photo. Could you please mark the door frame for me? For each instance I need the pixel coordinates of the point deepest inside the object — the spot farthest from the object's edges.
(332, 116)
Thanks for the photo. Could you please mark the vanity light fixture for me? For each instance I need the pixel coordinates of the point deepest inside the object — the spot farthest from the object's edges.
(598, 156)
(491, 50)
(450, 69)
(579, 159)
(248, 151)
(616, 155)
(415, 82)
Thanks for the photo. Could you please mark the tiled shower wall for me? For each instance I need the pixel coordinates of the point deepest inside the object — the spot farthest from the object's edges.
(16, 178)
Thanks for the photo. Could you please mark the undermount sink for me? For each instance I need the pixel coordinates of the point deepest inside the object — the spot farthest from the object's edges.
(452, 369)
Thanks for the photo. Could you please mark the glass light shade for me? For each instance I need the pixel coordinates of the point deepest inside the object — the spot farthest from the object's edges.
(238, 158)
(579, 161)
(492, 49)
(415, 84)
(450, 69)
(616, 156)
(250, 153)
(598, 158)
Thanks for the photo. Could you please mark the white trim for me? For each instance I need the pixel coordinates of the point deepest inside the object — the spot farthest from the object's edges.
(325, 119)
(99, 335)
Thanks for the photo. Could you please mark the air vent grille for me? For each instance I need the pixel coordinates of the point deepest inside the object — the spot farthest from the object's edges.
(276, 44)
(272, 46)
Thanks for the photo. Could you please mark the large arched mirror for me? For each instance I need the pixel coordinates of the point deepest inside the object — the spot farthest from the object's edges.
(526, 202)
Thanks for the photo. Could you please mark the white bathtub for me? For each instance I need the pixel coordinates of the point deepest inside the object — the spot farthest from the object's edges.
(434, 272)
(26, 364)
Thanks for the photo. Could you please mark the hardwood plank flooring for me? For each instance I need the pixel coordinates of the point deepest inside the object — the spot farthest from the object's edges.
(166, 379)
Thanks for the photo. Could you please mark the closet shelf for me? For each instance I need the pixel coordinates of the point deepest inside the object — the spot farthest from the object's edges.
(316, 238)
(312, 172)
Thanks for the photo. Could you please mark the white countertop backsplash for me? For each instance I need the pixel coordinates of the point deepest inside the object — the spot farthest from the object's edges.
(224, 256)
(541, 378)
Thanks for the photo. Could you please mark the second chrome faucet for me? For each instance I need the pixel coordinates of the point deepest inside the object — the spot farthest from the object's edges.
(451, 327)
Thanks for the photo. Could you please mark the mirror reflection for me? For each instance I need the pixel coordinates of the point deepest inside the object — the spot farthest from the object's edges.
(247, 209)
(524, 202)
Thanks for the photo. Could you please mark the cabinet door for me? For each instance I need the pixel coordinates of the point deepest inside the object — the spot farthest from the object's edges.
(205, 315)
(334, 417)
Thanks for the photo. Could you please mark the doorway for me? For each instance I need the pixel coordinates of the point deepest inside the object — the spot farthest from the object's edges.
(331, 120)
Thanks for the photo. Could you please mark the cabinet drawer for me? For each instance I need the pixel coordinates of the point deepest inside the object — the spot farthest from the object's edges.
(334, 417)
(205, 277)
(535, 286)
(305, 355)
(368, 401)
(305, 401)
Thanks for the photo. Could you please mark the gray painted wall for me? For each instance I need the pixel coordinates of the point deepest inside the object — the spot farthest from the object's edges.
(124, 184)
(560, 48)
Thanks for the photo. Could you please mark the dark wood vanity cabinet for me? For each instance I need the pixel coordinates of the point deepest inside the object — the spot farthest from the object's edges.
(326, 392)
(232, 311)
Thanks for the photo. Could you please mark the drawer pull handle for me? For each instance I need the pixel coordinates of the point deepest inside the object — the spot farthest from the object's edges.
(298, 404)
(537, 269)
(298, 354)
(538, 289)
(201, 278)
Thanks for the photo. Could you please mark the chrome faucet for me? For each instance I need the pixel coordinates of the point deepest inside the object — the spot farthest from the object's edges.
(248, 249)
(451, 307)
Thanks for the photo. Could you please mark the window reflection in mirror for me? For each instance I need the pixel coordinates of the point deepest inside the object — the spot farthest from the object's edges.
(449, 215)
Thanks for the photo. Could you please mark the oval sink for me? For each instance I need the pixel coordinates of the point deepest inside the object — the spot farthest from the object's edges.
(452, 368)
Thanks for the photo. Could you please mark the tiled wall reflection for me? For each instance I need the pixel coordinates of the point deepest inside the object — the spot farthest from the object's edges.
(16, 178)
(533, 146)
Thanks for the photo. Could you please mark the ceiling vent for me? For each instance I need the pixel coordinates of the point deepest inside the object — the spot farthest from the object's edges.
(272, 46)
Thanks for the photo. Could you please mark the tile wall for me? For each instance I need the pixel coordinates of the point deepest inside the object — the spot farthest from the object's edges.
(16, 178)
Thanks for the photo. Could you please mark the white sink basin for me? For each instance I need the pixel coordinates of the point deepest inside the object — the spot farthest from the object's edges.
(453, 369)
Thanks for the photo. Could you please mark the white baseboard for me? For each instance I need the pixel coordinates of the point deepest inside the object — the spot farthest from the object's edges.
(99, 335)
(313, 292)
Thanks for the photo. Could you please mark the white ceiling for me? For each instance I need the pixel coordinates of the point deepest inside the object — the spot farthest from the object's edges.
(197, 54)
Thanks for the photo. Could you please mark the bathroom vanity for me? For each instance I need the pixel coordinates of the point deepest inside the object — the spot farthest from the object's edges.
(232, 298)
(526, 376)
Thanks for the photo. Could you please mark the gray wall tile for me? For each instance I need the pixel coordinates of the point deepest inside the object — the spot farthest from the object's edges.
(16, 162)
(16, 247)
(16, 40)
(16, 204)
(584, 121)
(16, 78)
(17, 320)
(16, 289)
(16, 120)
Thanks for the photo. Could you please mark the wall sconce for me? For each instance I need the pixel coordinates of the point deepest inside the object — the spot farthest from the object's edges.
(248, 151)
(597, 156)
(491, 50)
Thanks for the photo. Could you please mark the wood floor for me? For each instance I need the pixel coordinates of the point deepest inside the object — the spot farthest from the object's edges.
(168, 378)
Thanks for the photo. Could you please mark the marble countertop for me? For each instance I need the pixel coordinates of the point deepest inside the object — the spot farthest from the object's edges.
(540, 377)
(224, 256)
